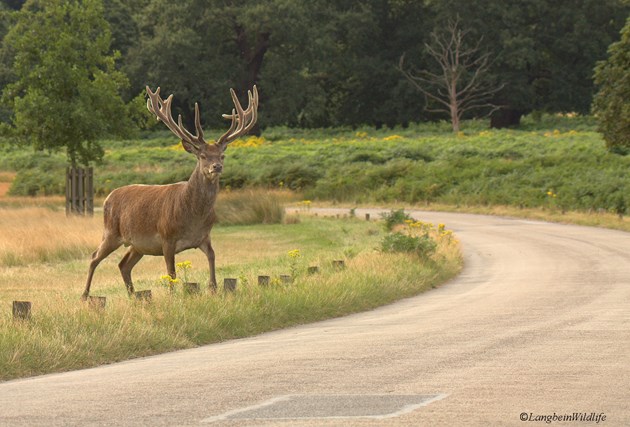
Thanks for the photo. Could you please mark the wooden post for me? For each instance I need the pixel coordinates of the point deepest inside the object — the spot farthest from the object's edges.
(191, 288)
(313, 269)
(89, 192)
(79, 191)
(143, 296)
(338, 264)
(21, 310)
(367, 216)
(263, 280)
(68, 192)
(75, 191)
(229, 285)
(80, 208)
(97, 302)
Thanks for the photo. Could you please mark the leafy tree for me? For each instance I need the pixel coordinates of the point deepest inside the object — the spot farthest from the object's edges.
(66, 88)
(12, 4)
(611, 105)
(318, 63)
(333, 62)
(544, 50)
(191, 49)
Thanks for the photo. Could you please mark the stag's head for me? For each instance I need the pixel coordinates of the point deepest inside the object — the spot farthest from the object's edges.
(209, 156)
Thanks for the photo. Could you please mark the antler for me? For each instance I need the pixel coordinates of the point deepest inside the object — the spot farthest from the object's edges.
(242, 120)
(162, 110)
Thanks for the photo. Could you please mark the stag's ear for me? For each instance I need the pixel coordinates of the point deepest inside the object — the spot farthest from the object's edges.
(191, 148)
(222, 147)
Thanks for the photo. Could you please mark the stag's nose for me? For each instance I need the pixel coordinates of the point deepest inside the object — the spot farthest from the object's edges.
(216, 168)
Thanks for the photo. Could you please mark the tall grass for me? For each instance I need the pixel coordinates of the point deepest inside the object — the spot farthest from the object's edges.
(252, 206)
(65, 334)
(36, 234)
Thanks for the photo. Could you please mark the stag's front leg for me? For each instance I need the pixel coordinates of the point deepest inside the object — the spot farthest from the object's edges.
(206, 248)
(169, 256)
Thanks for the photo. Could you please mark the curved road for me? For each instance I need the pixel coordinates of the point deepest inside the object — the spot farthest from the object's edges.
(535, 329)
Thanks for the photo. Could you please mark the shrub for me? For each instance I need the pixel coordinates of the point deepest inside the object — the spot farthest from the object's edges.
(394, 217)
(610, 104)
(423, 245)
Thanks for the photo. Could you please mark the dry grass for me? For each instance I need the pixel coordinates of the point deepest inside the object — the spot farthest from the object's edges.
(253, 206)
(64, 334)
(37, 235)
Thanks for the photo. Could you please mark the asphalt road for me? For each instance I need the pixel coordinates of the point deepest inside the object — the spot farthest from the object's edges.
(535, 329)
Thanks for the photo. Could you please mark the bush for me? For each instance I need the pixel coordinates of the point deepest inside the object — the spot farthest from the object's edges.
(423, 246)
(610, 104)
(394, 217)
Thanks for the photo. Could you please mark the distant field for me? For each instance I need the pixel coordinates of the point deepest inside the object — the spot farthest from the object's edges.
(559, 164)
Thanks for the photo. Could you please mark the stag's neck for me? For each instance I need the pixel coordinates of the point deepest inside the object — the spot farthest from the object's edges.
(200, 193)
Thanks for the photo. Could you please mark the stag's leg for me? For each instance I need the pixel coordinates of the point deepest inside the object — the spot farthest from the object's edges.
(206, 248)
(126, 264)
(169, 256)
(107, 246)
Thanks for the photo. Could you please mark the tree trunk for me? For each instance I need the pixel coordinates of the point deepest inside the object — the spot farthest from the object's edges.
(253, 56)
(454, 116)
(506, 117)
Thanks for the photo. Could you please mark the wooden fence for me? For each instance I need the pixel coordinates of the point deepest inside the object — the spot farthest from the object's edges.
(79, 191)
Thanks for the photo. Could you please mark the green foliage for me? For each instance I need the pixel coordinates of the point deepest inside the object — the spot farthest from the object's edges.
(610, 104)
(66, 88)
(418, 165)
(546, 52)
(422, 246)
(394, 217)
(321, 63)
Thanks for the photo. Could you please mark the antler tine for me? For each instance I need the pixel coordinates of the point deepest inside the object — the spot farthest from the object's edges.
(162, 110)
(242, 120)
(198, 128)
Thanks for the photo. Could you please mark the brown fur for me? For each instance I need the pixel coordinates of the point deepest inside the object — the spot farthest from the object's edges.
(163, 220)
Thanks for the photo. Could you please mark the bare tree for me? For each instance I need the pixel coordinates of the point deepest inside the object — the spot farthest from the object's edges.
(461, 85)
(164, 220)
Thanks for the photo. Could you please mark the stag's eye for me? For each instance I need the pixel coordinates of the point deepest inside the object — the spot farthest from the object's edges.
(222, 156)
(202, 157)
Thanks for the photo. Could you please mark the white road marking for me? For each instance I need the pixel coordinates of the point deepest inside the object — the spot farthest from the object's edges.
(286, 398)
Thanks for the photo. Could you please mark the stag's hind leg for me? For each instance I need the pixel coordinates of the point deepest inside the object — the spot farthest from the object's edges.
(206, 248)
(108, 245)
(127, 263)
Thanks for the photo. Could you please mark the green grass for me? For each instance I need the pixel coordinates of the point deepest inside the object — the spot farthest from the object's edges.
(420, 165)
(65, 334)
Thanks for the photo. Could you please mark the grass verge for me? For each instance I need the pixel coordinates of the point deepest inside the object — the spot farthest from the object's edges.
(64, 334)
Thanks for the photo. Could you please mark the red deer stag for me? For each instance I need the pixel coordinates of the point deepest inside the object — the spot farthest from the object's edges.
(163, 220)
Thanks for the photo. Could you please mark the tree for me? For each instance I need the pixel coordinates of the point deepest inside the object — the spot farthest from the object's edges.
(544, 50)
(610, 104)
(66, 88)
(460, 84)
(317, 63)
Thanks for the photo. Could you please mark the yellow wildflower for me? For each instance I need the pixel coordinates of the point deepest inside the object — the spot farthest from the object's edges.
(184, 265)
(295, 253)
(392, 137)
